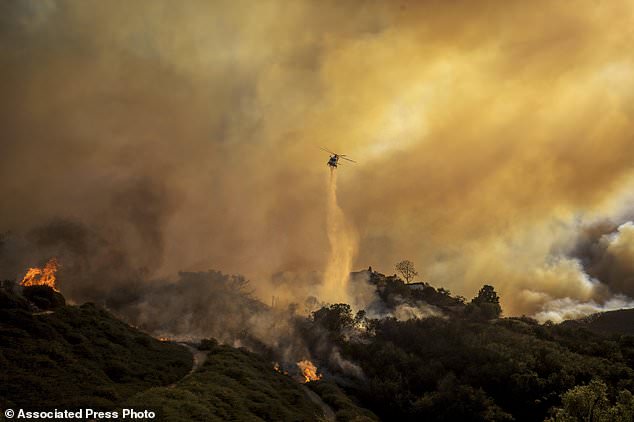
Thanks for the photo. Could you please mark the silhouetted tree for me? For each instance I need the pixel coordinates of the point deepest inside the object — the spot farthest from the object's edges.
(487, 294)
(486, 305)
(360, 319)
(407, 270)
(334, 318)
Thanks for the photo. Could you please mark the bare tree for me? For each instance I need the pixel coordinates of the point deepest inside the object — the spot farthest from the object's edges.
(407, 270)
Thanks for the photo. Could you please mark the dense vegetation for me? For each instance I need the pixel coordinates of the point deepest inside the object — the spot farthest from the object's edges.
(591, 403)
(71, 357)
(58, 356)
(472, 365)
(446, 369)
(345, 409)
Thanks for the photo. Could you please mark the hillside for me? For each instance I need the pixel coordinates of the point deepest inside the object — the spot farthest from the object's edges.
(232, 384)
(423, 355)
(59, 356)
(468, 364)
(611, 322)
(73, 356)
(509, 369)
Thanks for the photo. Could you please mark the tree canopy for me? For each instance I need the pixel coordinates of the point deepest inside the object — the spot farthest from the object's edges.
(486, 305)
(407, 270)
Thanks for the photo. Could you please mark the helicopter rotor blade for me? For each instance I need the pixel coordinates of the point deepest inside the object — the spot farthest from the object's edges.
(345, 158)
(328, 151)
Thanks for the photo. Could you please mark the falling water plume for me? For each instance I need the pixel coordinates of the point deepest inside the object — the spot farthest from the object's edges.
(343, 246)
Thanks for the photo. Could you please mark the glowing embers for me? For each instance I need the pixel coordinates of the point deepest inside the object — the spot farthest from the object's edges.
(44, 276)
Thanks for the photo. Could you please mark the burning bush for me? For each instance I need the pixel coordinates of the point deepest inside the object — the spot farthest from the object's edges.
(44, 276)
(308, 370)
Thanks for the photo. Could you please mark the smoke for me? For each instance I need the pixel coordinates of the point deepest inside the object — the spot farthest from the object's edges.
(102, 260)
(485, 147)
(559, 310)
(419, 310)
(343, 245)
(607, 253)
(602, 259)
(349, 368)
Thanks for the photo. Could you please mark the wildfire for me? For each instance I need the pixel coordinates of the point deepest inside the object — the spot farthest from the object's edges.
(309, 371)
(165, 339)
(42, 276)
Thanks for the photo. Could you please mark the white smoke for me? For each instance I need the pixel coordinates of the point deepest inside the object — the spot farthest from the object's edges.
(599, 280)
(420, 310)
(559, 310)
(347, 367)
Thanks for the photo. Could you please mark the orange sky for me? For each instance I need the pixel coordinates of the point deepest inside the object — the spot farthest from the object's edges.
(488, 135)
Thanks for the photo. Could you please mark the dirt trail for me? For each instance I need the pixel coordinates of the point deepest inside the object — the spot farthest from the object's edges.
(198, 357)
(329, 415)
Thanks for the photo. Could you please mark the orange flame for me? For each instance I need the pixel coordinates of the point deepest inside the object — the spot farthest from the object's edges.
(42, 276)
(309, 371)
(164, 339)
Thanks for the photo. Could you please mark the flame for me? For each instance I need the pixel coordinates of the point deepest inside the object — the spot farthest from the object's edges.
(165, 339)
(309, 371)
(42, 276)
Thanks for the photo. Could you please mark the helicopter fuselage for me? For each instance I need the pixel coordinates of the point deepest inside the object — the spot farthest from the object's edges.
(333, 162)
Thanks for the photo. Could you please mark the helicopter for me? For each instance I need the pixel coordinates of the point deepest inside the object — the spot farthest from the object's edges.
(334, 158)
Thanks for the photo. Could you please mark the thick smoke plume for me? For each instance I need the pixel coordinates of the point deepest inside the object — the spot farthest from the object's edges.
(608, 255)
(183, 137)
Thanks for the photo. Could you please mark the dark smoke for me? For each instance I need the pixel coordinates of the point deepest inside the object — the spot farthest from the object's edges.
(100, 259)
(605, 251)
(105, 267)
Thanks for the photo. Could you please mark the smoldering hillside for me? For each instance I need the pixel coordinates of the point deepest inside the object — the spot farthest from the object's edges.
(184, 138)
(97, 266)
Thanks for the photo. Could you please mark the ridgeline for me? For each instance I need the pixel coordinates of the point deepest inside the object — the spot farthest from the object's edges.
(416, 353)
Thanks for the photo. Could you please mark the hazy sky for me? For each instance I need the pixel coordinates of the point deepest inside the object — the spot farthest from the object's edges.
(492, 138)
